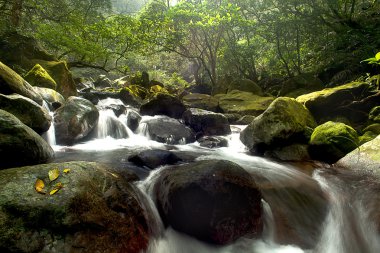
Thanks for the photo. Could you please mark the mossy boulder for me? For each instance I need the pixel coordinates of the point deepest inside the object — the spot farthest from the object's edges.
(205, 122)
(38, 76)
(51, 96)
(201, 101)
(374, 114)
(11, 82)
(97, 210)
(366, 137)
(19, 144)
(330, 103)
(215, 201)
(331, 141)
(29, 112)
(245, 85)
(243, 103)
(74, 120)
(59, 71)
(375, 128)
(284, 122)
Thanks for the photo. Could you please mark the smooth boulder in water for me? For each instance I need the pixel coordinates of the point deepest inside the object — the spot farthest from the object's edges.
(154, 158)
(163, 104)
(215, 201)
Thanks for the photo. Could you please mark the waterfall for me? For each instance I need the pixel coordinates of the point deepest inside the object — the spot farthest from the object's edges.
(49, 136)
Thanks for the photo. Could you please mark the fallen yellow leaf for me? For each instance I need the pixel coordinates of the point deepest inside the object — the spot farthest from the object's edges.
(66, 171)
(56, 188)
(39, 186)
(53, 174)
(53, 191)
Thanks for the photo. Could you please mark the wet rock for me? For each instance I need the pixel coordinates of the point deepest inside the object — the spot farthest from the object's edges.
(133, 119)
(215, 201)
(163, 104)
(294, 152)
(29, 112)
(97, 210)
(331, 141)
(205, 122)
(95, 96)
(284, 122)
(213, 142)
(201, 101)
(38, 76)
(167, 130)
(154, 158)
(102, 82)
(245, 120)
(19, 144)
(75, 120)
(50, 96)
(11, 82)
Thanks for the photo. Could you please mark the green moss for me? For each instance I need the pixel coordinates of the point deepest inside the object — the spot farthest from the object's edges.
(374, 128)
(374, 114)
(366, 137)
(38, 76)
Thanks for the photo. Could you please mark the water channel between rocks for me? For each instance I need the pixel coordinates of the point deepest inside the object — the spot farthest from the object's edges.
(347, 227)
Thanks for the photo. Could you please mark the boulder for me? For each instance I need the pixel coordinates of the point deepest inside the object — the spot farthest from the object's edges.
(375, 128)
(293, 152)
(50, 96)
(38, 76)
(330, 103)
(201, 101)
(102, 82)
(213, 142)
(59, 71)
(74, 120)
(94, 210)
(331, 141)
(284, 122)
(205, 122)
(245, 85)
(19, 144)
(214, 201)
(133, 119)
(374, 114)
(154, 158)
(168, 130)
(243, 103)
(302, 83)
(29, 112)
(11, 82)
(366, 137)
(245, 120)
(123, 94)
(163, 104)
(365, 158)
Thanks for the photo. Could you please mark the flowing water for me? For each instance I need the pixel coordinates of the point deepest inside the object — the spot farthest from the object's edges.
(348, 223)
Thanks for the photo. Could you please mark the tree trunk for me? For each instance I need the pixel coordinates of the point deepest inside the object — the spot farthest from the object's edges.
(16, 13)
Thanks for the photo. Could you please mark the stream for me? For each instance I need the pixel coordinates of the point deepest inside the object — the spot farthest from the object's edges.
(348, 227)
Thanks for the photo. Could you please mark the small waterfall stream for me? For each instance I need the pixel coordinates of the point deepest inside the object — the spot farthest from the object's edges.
(348, 226)
(49, 136)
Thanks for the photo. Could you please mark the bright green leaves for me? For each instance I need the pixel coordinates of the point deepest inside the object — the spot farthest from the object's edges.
(373, 60)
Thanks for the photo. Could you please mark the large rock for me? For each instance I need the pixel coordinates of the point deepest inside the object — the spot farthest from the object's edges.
(245, 85)
(331, 141)
(59, 71)
(11, 82)
(243, 103)
(301, 83)
(50, 96)
(154, 158)
(38, 76)
(167, 130)
(206, 123)
(201, 101)
(19, 144)
(284, 122)
(74, 120)
(163, 104)
(29, 112)
(97, 210)
(365, 158)
(374, 114)
(330, 103)
(214, 200)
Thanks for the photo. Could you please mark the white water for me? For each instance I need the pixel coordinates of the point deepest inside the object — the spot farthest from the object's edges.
(49, 136)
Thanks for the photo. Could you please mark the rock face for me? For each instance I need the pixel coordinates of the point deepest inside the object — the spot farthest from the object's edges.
(215, 201)
(243, 103)
(11, 82)
(95, 211)
(38, 76)
(29, 112)
(364, 158)
(206, 123)
(167, 130)
(154, 158)
(163, 104)
(201, 101)
(330, 103)
(20, 145)
(74, 120)
(284, 122)
(331, 141)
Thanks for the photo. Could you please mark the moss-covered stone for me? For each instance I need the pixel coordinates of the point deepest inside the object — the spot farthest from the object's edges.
(285, 121)
(11, 82)
(202, 101)
(366, 137)
(374, 128)
(97, 210)
(245, 85)
(332, 140)
(243, 103)
(374, 114)
(50, 96)
(38, 76)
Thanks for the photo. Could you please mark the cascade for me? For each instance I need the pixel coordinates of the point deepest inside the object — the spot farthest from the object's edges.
(49, 136)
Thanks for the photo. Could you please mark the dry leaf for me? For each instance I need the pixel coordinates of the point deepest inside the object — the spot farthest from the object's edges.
(39, 186)
(53, 174)
(53, 191)
(56, 188)
(66, 171)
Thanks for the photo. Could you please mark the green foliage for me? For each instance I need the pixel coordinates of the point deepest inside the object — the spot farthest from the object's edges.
(373, 60)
